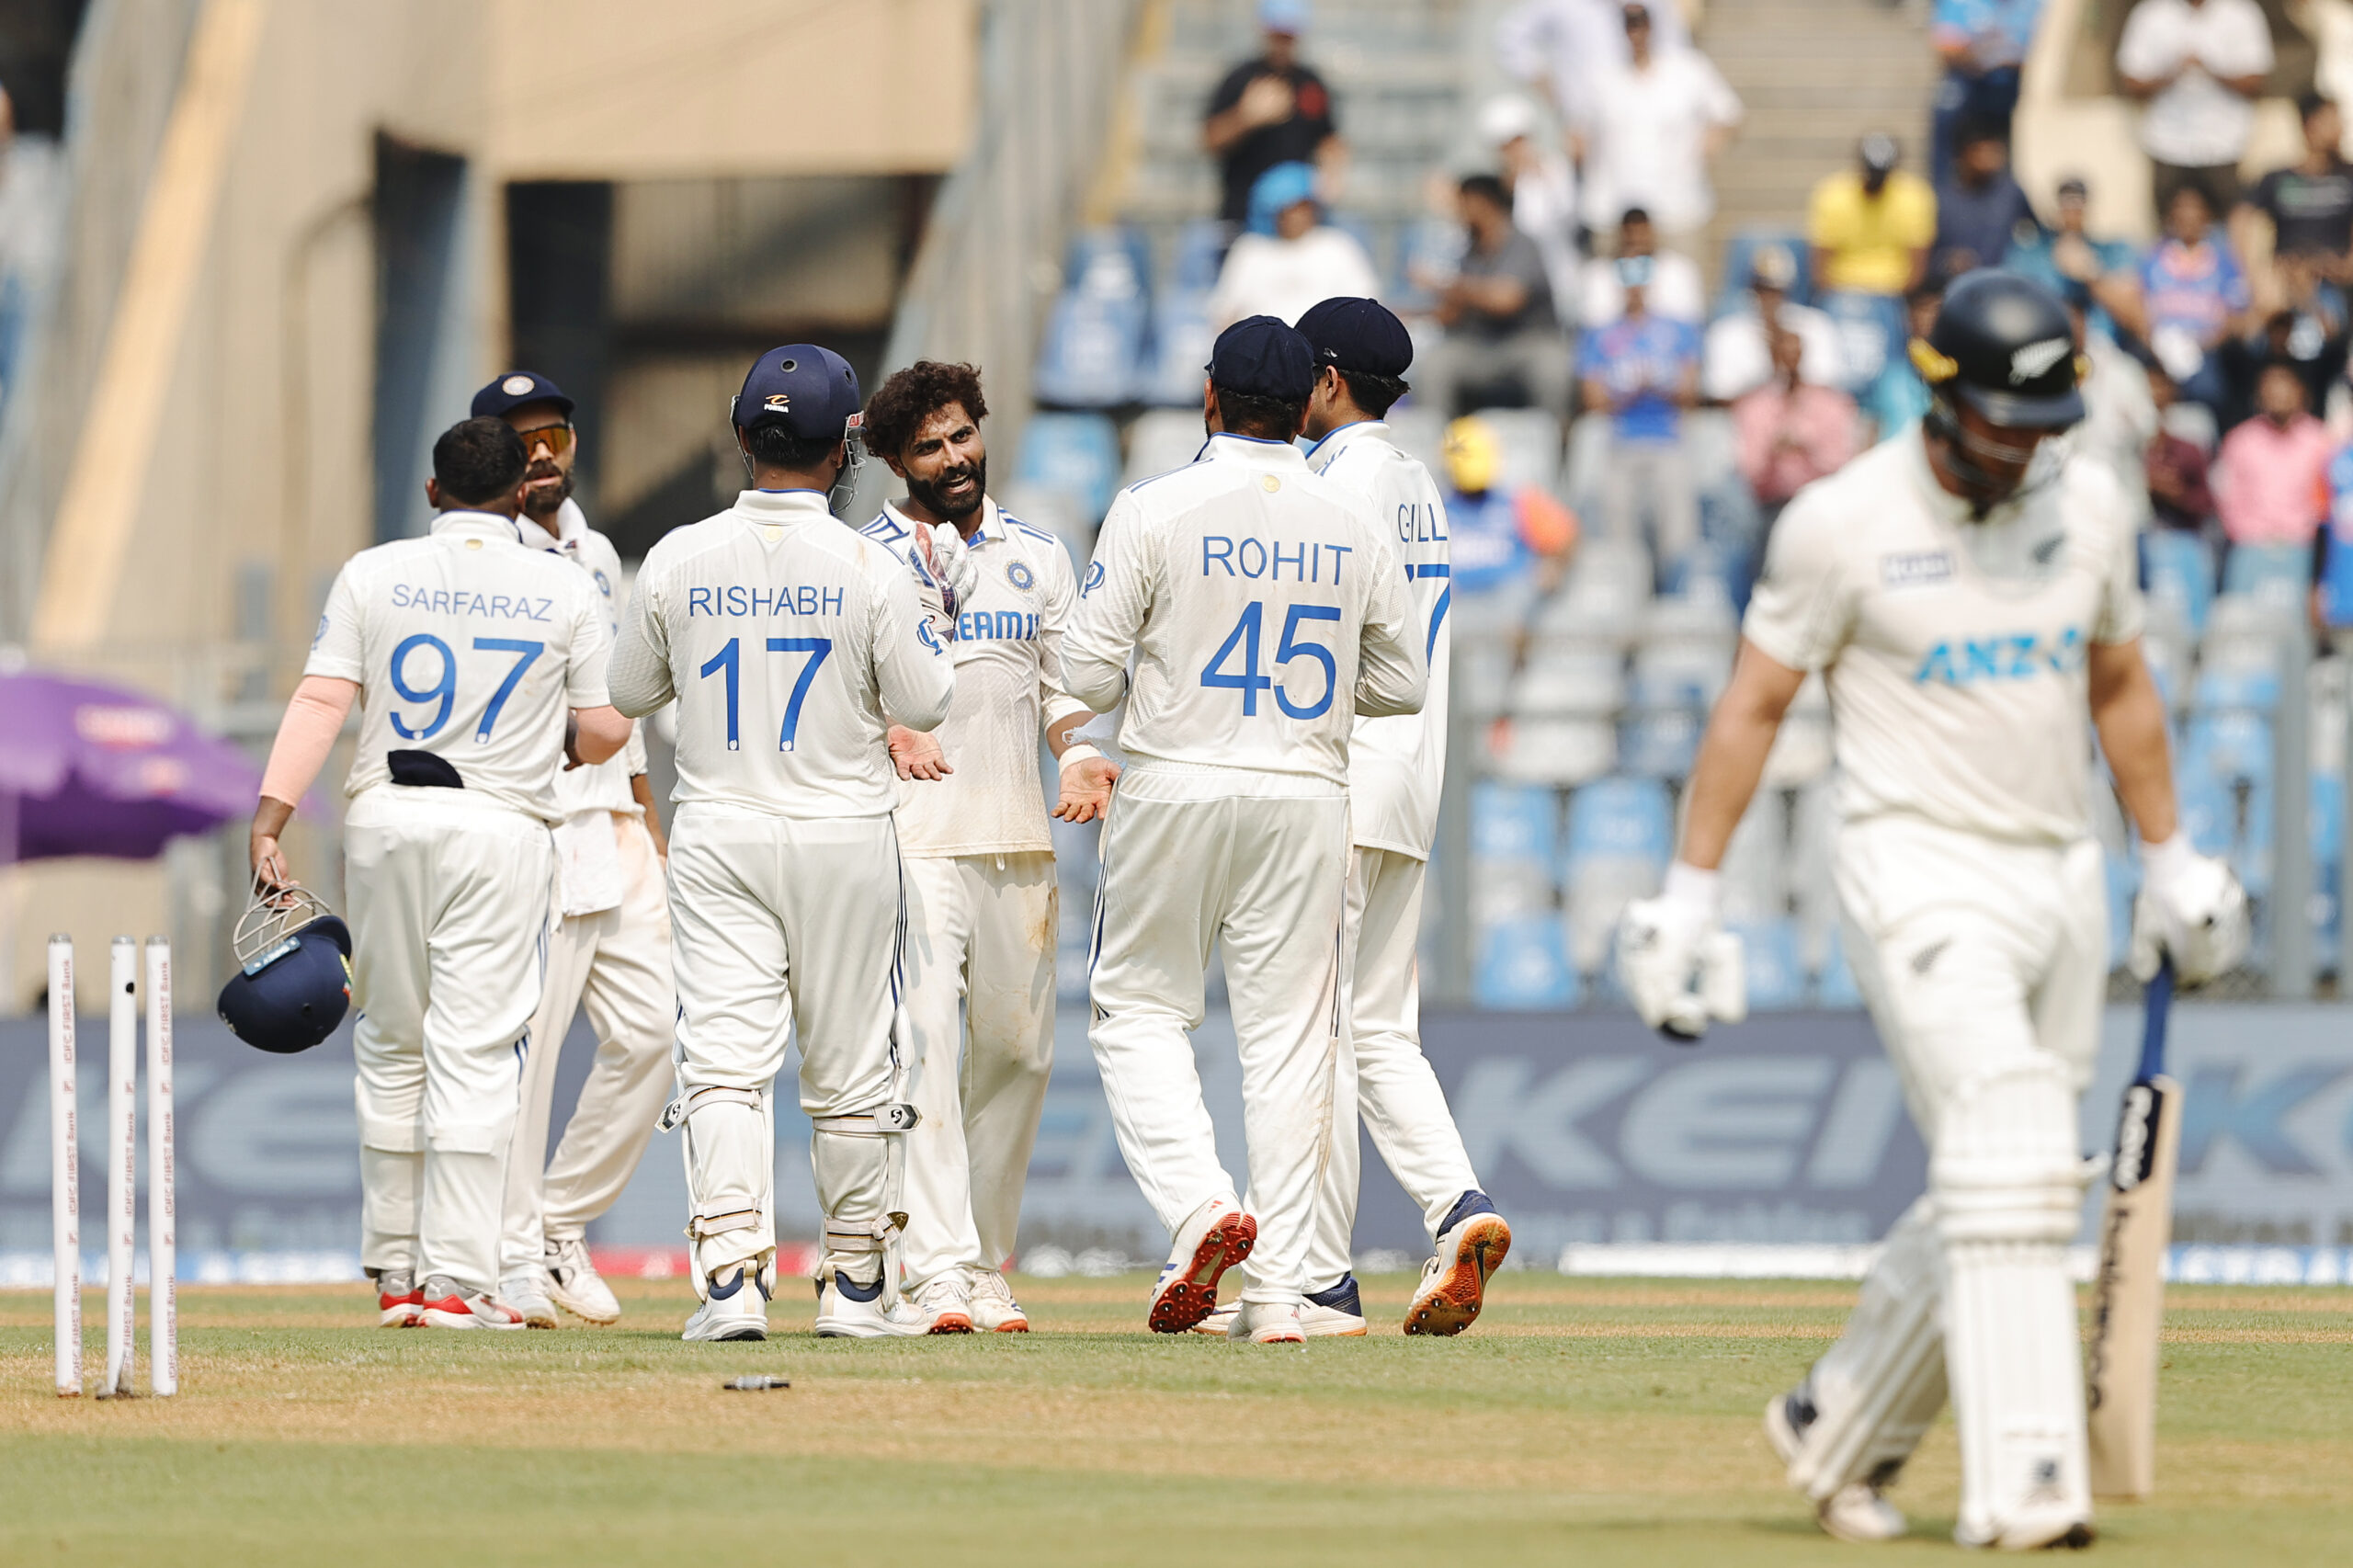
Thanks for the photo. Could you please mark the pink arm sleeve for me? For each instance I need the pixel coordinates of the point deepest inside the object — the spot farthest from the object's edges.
(314, 718)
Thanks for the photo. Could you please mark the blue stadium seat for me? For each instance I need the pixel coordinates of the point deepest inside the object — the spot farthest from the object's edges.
(1776, 973)
(1200, 252)
(1524, 966)
(2208, 814)
(1514, 822)
(1835, 989)
(1096, 338)
(1620, 818)
(2180, 571)
(1120, 246)
(2327, 817)
(1171, 375)
(2244, 686)
(2231, 744)
(2271, 570)
(1077, 454)
(1661, 743)
(1871, 329)
(2252, 852)
(1741, 250)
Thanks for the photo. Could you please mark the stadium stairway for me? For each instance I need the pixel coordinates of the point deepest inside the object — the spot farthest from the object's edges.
(1816, 75)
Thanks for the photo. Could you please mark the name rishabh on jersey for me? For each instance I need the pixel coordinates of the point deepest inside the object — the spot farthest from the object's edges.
(467, 644)
(1397, 765)
(790, 642)
(1955, 650)
(1007, 650)
(1265, 609)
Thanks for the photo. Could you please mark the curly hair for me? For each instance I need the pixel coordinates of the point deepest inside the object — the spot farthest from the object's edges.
(902, 402)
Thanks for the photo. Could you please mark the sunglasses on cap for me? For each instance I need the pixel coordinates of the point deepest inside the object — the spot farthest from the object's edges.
(557, 439)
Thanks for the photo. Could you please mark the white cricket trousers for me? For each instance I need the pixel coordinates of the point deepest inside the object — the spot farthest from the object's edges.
(1985, 965)
(618, 962)
(1381, 1072)
(780, 924)
(449, 899)
(1190, 863)
(982, 931)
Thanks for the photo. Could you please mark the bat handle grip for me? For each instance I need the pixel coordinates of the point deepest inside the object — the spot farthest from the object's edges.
(2157, 1000)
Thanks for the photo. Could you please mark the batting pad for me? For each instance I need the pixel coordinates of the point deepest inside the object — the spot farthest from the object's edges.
(2008, 1185)
(730, 1170)
(856, 1160)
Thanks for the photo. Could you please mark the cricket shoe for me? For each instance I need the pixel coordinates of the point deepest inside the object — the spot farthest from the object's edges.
(1336, 1313)
(946, 1300)
(527, 1293)
(736, 1309)
(1858, 1511)
(1268, 1323)
(994, 1308)
(1471, 1245)
(448, 1306)
(399, 1302)
(1213, 1239)
(574, 1285)
(847, 1309)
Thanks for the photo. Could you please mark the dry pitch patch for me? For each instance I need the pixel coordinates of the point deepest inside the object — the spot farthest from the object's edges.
(1586, 1421)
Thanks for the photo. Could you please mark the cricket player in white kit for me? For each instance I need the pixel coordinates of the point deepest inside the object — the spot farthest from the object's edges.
(1264, 613)
(790, 643)
(466, 649)
(608, 937)
(1968, 591)
(983, 908)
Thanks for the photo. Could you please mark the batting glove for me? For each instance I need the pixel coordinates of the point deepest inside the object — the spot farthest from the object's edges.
(1680, 970)
(2190, 907)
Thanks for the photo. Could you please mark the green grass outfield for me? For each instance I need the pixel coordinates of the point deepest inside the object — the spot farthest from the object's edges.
(1582, 1422)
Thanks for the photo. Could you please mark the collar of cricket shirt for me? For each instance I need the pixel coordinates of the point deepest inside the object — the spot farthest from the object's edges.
(991, 532)
(1253, 451)
(1337, 441)
(463, 522)
(782, 505)
(571, 524)
(1948, 509)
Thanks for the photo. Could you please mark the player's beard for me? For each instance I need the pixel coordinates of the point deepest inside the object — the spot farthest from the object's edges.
(541, 503)
(929, 493)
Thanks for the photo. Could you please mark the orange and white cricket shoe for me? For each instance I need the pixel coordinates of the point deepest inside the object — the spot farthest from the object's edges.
(448, 1306)
(994, 1308)
(946, 1300)
(1213, 1239)
(1471, 1245)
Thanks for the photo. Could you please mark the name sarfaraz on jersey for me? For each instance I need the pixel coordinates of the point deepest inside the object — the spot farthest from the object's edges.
(463, 601)
(2014, 656)
(757, 599)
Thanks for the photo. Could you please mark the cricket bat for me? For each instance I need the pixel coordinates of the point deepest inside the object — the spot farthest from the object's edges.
(2128, 1301)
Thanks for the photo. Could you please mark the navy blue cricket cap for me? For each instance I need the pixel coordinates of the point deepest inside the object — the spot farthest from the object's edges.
(1362, 335)
(812, 391)
(1259, 357)
(514, 388)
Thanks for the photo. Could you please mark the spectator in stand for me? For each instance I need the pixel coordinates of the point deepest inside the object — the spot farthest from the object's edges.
(2176, 467)
(1508, 546)
(1871, 226)
(1497, 312)
(1980, 211)
(1557, 45)
(2333, 559)
(2194, 296)
(2101, 276)
(1737, 355)
(1543, 184)
(1791, 432)
(1676, 288)
(2271, 478)
(1982, 43)
(1652, 127)
(1643, 372)
(1271, 110)
(2304, 210)
(1897, 396)
(2198, 64)
(1289, 258)
(2309, 336)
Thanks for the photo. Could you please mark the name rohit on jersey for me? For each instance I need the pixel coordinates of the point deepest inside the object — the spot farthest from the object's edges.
(463, 601)
(2018, 655)
(740, 598)
(1255, 558)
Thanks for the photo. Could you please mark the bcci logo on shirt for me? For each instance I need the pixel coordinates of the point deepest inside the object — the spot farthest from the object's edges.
(1020, 576)
(604, 584)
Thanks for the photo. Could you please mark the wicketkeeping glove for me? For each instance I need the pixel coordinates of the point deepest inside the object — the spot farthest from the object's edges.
(1678, 968)
(2190, 907)
(941, 561)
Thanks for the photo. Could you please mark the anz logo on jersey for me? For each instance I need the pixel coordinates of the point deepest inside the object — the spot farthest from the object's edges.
(2017, 655)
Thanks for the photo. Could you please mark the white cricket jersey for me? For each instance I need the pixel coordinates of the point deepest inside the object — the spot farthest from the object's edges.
(1954, 650)
(790, 642)
(1265, 609)
(1397, 765)
(1007, 651)
(605, 785)
(469, 645)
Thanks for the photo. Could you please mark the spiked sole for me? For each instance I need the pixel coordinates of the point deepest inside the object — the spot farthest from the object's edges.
(951, 1322)
(1192, 1294)
(1450, 1301)
(592, 1319)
